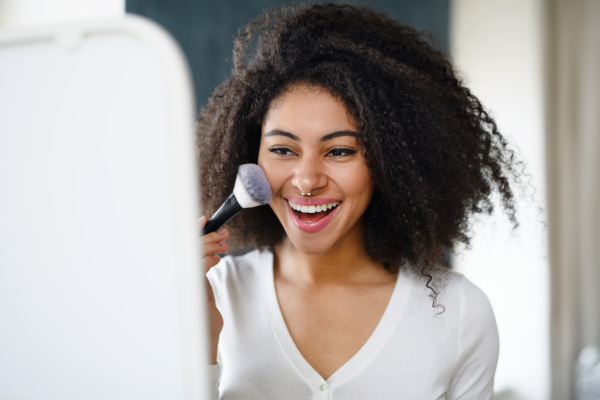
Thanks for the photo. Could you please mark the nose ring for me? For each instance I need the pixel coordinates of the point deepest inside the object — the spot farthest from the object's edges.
(303, 194)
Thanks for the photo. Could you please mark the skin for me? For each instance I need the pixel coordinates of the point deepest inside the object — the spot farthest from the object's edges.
(331, 293)
(210, 247)
(333, 168)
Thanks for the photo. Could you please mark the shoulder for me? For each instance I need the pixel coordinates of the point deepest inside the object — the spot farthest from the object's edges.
(478, 346)
(468, 342)
(472, 305)
(235, 265)
(477, 339)
(235, 273)
(459, 297)
(464, 309)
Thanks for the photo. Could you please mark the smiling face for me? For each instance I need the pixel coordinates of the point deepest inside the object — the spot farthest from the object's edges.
(309, 144)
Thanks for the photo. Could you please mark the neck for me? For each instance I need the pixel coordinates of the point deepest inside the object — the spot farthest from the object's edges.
(346, 262)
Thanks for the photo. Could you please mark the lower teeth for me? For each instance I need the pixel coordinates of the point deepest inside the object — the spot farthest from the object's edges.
(312, 217)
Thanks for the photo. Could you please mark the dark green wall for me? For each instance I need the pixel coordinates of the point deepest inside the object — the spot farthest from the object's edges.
(206, 29)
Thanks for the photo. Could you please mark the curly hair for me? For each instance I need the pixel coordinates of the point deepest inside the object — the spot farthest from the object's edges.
(434, 153)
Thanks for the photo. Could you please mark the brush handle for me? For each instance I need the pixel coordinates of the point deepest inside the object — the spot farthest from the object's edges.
(227, 211)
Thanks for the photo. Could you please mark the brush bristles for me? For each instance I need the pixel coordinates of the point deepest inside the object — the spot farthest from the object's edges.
(252, 188)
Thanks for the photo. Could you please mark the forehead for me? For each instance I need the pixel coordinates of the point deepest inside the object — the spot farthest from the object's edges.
(308, 111)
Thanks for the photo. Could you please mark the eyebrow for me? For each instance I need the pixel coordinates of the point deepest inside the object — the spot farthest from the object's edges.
(277, 132)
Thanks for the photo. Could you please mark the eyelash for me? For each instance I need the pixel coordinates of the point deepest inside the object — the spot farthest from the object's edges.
(280, 150)
(284, 151)
(348, 152)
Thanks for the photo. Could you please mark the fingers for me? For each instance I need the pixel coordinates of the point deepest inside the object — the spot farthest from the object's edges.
(210, 262)
(214, 248)
(212, 245)
(215, 237)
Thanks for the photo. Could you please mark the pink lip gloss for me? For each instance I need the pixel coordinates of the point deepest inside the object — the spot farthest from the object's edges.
(312, 227)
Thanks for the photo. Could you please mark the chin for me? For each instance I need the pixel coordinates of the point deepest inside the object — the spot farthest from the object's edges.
(311, 247)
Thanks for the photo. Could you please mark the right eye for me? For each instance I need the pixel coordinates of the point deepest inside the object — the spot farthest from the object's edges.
(283, 151)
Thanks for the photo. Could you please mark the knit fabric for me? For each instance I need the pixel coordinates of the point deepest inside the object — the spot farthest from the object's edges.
(412, 354)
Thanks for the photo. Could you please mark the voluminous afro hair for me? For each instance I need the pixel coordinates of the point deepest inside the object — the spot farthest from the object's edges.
(434, 153)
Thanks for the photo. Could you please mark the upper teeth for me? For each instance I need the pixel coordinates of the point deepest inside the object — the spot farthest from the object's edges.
(313, 209)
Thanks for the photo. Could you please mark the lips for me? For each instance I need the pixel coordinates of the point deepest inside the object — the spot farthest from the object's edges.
(314, 216)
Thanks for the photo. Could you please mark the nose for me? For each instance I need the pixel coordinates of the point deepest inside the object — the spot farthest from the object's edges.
(309, 175)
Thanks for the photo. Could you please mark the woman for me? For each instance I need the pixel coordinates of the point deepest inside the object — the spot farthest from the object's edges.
(377, 157)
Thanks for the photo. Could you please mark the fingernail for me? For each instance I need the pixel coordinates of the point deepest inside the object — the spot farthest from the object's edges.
(222, 231)
(223, 243)
(218, 257)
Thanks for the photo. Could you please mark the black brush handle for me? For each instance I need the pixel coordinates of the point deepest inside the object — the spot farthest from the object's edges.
(227, 211)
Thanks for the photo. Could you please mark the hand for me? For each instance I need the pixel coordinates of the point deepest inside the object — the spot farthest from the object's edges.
(210, 246)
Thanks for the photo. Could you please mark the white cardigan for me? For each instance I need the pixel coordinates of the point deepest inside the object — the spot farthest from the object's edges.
(412, 354)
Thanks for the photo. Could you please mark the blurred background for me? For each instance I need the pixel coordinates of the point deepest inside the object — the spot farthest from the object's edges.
(535, 64)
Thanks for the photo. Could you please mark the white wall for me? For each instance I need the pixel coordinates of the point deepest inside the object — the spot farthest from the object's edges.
(498, 47)
(20, 13)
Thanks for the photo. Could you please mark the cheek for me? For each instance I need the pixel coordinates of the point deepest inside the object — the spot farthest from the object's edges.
(275, 175)
(357, 183)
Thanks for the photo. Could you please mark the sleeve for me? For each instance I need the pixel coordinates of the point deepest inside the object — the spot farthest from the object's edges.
(214, 276)
(478, 346)
(214, 377)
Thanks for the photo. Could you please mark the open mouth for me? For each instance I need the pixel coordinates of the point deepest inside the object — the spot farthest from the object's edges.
(311, 214)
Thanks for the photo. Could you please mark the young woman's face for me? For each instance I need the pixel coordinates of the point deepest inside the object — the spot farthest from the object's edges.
(309, 144)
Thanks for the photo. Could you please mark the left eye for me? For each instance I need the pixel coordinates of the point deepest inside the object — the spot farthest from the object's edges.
(340, 152)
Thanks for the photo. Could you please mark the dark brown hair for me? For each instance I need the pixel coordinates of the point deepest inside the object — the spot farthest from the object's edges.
(434, 153)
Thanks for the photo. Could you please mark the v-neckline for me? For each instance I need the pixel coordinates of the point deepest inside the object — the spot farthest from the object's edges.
(358, 361)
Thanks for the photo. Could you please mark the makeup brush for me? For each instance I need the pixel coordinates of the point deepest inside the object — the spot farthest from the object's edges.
(251, 189)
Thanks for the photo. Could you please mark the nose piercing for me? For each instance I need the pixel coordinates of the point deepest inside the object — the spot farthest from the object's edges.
(303, 194)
